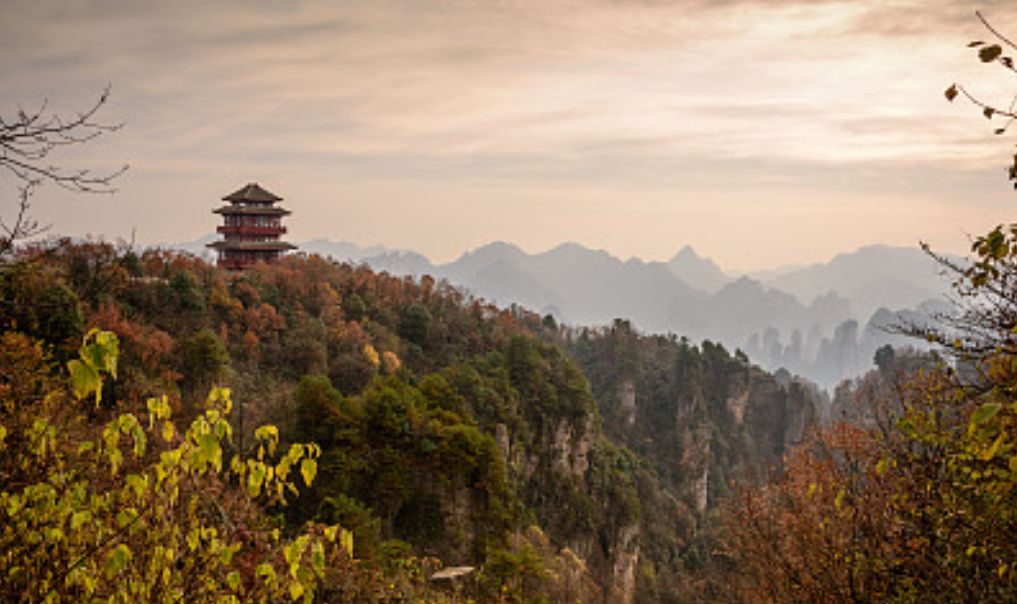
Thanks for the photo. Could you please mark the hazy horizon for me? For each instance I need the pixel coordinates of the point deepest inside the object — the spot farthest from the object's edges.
(764, 134)
(731, 272)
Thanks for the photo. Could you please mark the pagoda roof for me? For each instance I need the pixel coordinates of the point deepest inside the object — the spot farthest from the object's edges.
(253, 210)
(252, 192)
(252, 245)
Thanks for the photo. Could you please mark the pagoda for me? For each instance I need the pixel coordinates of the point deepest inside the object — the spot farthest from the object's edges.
(251, 228)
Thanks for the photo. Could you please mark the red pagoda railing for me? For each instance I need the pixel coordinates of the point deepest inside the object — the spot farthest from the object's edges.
(251, 230)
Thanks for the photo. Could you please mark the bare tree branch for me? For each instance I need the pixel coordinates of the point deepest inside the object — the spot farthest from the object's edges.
(27, 140)
(992, 30)
(23, 226)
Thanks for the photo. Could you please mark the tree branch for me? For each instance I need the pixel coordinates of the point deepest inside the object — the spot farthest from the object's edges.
(26, 141)
(992, 30)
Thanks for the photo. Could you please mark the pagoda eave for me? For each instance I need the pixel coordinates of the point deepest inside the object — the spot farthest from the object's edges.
(251, 211)
(252, 246)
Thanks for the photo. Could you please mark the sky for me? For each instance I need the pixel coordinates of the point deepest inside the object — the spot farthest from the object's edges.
(763, 133)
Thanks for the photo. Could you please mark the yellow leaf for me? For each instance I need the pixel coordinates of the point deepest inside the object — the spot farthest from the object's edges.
(346, 541)
(882, 466)
(308, 469)
(168, 430)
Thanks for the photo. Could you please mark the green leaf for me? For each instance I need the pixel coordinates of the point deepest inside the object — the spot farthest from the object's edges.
(117, 560)
(233, 580)
(989, 453)
(294, 550)
(318, 558)
(990, 53)
(79, 518)
(84, 380)
(985, 413)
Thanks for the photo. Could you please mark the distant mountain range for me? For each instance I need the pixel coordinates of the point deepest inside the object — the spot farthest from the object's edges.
(871, 277)
(822, 321)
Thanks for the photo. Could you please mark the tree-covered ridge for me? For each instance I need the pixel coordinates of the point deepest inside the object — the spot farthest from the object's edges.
(446, 425)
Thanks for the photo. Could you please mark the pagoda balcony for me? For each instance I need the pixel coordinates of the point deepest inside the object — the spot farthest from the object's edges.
(251, 230)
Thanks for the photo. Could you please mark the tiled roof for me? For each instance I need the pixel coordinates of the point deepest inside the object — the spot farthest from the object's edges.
(252, 192)
(251, 210)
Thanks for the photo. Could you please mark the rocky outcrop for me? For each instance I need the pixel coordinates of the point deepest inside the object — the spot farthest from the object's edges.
(571, 446)
(736, 405)
(625, 556)
(695, 464)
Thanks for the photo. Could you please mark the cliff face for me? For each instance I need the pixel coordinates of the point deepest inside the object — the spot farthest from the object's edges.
(565, 475)
(698, 418)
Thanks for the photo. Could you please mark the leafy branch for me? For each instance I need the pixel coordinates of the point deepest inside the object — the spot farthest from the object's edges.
(992, 53)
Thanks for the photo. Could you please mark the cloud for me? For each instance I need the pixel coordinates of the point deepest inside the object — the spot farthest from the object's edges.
(632, 95)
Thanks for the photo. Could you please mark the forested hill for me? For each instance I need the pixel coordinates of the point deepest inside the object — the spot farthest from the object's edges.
(448, 427)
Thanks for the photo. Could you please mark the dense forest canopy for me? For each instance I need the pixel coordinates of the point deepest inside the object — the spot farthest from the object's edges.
(443, 427)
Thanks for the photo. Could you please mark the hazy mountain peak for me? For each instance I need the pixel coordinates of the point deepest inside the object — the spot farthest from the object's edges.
(687, 252)
(494, 250)
(489, 253)
(698, 271)
(870, 276)
(571, 248)
(478, 259)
